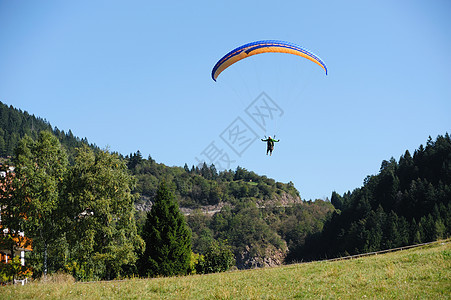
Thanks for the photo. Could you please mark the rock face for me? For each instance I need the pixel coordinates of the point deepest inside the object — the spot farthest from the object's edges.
(205, 209)
(285, 199)
(144, 204)
(268, 257)
(281, 200)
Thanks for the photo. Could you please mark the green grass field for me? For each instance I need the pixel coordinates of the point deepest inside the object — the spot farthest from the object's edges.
(423, 273)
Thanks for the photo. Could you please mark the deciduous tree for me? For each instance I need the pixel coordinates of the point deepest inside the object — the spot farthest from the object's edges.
(40, 170)
(100, 219)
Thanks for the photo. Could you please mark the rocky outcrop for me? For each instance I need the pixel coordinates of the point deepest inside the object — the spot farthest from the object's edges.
(267, 257)
(206, 209)
(143, 204)
(282, 200)
(285, 199)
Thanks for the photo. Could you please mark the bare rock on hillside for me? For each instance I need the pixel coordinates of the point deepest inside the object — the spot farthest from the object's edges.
(268, 257)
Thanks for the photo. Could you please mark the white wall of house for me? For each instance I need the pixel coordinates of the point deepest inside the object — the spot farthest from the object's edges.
(22, 258)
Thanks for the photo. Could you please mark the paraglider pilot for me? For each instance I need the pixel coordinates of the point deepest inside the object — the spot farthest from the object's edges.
(269, 145)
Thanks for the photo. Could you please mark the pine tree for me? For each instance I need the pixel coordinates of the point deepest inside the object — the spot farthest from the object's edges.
(336, 200)
(167, 237)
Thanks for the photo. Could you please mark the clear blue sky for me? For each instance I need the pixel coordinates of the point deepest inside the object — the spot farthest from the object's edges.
(135, 75)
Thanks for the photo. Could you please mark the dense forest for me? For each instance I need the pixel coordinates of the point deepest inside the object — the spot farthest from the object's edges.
(260, 221)
(407, 202)
(15, 124)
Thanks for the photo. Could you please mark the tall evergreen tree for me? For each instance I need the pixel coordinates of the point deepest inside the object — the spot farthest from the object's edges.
(336, 200)
(167, 237)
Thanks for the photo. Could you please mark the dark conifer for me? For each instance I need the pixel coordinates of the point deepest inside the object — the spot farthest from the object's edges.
(167, 237)
(336, 200)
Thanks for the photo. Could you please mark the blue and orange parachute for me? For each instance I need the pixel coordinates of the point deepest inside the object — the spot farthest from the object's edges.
(259, 47)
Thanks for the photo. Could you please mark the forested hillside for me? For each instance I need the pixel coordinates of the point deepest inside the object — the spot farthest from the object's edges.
(263, 222)
(260, 219)
(204, 185)
(407, 202)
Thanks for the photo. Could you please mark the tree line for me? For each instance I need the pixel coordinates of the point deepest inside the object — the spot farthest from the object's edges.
(15, 124)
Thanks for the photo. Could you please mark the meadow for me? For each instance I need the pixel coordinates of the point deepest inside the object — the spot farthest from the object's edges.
(423, 272)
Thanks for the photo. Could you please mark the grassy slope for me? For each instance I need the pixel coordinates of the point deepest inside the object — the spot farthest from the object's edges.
(416, 273)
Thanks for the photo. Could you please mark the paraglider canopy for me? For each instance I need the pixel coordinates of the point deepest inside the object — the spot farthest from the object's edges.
(259, 47)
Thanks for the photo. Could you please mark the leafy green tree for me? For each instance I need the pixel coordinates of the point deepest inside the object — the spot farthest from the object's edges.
(202, 235)
(217, 258)
(40, 169)
(100, 214)
(167, 237)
